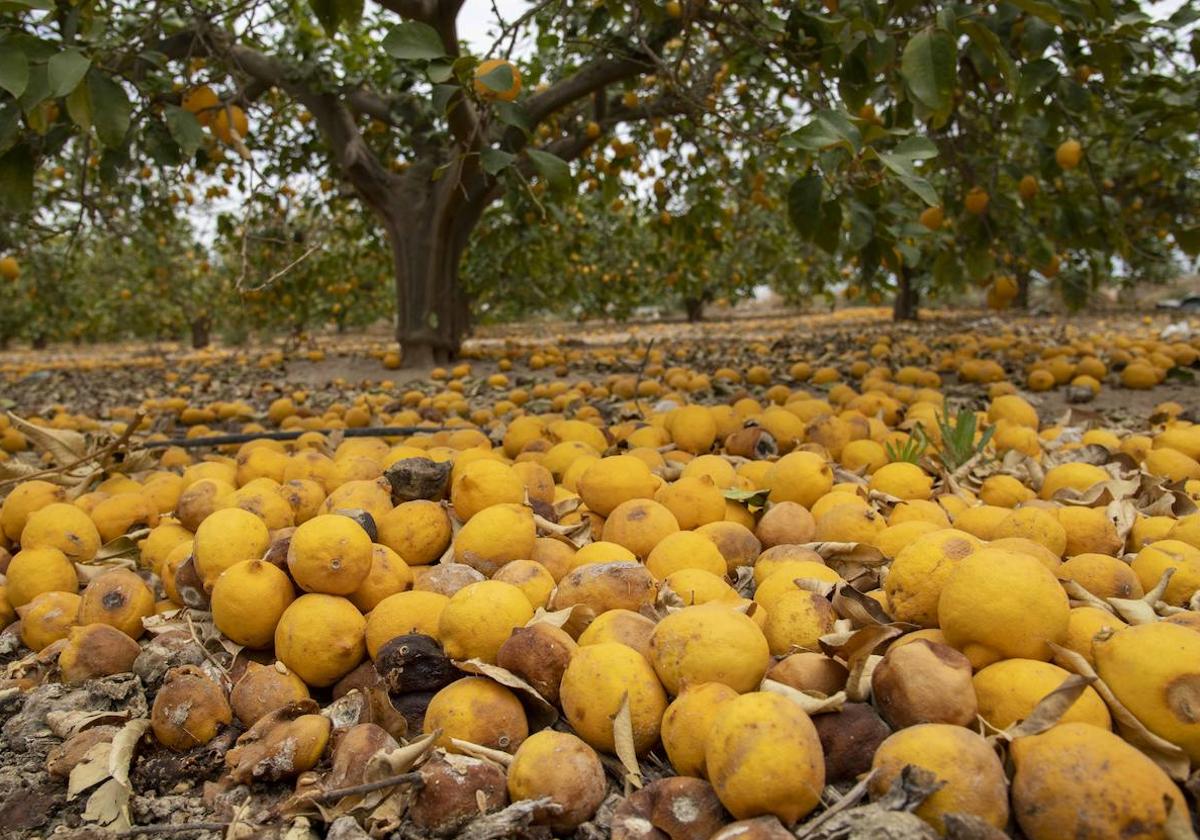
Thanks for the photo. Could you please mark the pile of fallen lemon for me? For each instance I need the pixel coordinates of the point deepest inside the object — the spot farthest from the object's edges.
(775, 597)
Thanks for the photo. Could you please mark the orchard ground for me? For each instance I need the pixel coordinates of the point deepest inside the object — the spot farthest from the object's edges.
(744, 562)
(94, 379)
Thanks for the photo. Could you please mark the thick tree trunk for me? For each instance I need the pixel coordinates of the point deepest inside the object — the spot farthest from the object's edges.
(201, 331)
(1023, 282)
(908, 298)
(695, 309)
(428, 229)
(40, 341)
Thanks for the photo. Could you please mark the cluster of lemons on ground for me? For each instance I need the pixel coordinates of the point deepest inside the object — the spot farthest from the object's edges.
(629, 568)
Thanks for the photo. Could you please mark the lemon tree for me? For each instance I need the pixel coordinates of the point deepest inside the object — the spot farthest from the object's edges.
(1052, 139)
(883, 108)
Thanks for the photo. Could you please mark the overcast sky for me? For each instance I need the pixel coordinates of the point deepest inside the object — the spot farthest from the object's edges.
(477, 20)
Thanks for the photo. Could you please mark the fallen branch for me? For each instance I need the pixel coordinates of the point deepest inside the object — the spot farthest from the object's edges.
(366, 787)
(101, 455)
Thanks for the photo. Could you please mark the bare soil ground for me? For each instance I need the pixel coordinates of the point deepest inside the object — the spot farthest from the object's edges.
(93, 380)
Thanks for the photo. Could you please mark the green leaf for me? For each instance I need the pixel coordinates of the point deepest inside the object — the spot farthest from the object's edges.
(749, 498)
(1040, 9)
(16, 180)
(1111, 58)
(804, 205)
(1035, 76)
(10, 125)
(414, 40)
(915, 148)
(14, 70)
(442, 95)
(923, 189)
(494, 160)
(1186, 15)
(79, 106)
(990, 43)
(829, 234)
(553, 168)
(498, 79)
(160, 145)
(185, 129)
(510, 113)
(440, 72)
(65, 71)
(862, 226)
(828, 129)
(110, 109)
(37, 90)
(327, 13)
(929, 66)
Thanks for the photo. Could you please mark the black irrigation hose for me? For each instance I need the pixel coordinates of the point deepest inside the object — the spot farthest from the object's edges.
(225, 440)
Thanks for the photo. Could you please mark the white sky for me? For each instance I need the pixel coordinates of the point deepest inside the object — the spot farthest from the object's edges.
(477, 20)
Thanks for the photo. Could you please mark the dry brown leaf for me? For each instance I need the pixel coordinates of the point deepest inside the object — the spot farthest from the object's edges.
(555, 618)
(1142, 610)
(351, 709)
(122, 548)
(812, 704)
(1123, 514)
(578, 535)
(14, 468)
(1050, 709)
(541, 712)
(668, 600)
(479, 751)
(858, 652)
(743, 581)
(90, 771)
(1099, 495)
(1082, 597)
(834, 553)
(66, 725)
(1179, 824)
(402, 759)
(841, 475)
(882, 502)
(300, 829)
(623, 743)
(26, 665)
(123, 747)
(850, 798)
(821, 587)
(108, 806)
(568, 505)
(64, 445)
(1092, 453)
(861, 609)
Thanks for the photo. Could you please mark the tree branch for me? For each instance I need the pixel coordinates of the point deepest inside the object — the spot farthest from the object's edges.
(589, 79)
(332, 115)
